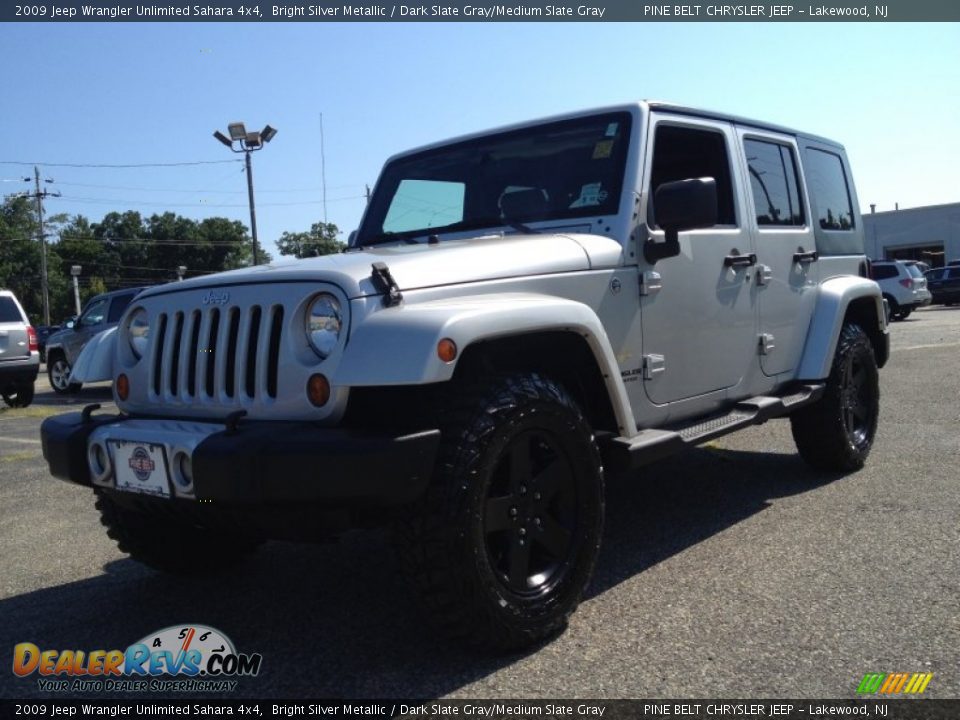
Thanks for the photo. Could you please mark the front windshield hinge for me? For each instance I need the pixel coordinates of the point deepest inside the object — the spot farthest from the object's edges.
(383, 281)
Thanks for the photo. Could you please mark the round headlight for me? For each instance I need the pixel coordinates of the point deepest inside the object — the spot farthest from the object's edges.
(138, 332)
(324, 320)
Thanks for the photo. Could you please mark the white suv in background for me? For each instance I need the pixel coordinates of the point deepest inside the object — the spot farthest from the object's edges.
(19, 353)
(903, 286)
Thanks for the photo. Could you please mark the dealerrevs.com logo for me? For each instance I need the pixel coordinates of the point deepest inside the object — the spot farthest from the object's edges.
(188, 658)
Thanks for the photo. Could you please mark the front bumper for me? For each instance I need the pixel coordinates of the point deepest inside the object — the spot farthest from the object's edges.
(257, 463)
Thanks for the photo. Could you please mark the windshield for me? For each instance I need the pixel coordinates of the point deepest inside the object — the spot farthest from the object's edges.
(555, 171)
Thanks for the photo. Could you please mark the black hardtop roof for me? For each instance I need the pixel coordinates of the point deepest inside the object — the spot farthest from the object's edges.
(709, 114)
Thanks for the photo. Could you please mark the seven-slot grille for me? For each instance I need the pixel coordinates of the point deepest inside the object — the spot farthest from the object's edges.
(218, 355)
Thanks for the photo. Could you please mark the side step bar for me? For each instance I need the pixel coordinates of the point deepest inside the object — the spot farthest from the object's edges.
(656, 443)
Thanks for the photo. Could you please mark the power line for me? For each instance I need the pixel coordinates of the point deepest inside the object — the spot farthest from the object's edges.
(147, 203)
(202, 190)
(120, 166)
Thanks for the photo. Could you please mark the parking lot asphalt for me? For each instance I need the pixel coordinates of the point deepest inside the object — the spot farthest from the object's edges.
(732, 571)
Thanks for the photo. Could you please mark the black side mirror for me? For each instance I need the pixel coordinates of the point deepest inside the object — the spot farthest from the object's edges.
(681, 205)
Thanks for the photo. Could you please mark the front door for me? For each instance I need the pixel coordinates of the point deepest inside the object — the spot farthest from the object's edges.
(699, 327)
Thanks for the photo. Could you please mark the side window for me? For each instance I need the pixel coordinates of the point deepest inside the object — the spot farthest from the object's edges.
(954, 273)
(681, 153)
(828, 183)
(424, 204)
(117, 306)
(884, 272)
(773, 179)
(94, 314)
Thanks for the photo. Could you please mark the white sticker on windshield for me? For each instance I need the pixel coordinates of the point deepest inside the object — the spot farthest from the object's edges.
(612, 129)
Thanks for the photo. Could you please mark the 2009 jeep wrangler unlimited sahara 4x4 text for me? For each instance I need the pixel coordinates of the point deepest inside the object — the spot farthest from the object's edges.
(519, 312)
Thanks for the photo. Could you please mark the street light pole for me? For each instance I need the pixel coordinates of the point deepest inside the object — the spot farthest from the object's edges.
(247, 142)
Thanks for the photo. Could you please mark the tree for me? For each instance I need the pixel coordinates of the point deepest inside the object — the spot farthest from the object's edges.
(320, 240)
(20, 254)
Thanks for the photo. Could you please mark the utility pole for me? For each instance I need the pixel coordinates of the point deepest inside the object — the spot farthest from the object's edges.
(323, 171)
(39, 195)
(368, 194)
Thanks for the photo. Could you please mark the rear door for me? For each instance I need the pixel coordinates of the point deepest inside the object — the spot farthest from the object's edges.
(787, 271)
(14, 344)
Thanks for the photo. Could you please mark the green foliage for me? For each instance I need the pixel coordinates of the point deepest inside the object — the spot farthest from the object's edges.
(320, 240)
(122, 250)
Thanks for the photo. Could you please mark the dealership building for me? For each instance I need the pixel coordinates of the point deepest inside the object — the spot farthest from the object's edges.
(930, 233)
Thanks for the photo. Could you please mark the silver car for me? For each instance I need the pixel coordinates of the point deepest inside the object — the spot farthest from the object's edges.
(19, 353)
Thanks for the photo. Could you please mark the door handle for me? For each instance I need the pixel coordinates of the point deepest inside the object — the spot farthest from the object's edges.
(806, 257)
(740, 260)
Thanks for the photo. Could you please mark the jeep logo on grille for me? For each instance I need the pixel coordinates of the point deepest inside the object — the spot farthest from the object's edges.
(216, 297)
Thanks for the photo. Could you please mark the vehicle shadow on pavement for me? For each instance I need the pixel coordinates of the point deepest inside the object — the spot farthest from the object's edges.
(678, 502)
(339, 621)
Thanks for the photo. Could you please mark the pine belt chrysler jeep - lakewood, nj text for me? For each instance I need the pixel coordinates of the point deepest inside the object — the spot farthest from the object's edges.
(520, 312)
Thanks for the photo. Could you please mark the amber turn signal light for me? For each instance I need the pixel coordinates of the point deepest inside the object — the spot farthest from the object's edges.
(318, 389)
(447, 350)
(123, 386)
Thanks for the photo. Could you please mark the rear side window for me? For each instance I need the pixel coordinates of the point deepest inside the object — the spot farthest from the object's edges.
(117, 306)
(9, 312)
(884, 272)
(773, 180)
(914, 271)
(935, 274)
(682, 153)
(828, 183)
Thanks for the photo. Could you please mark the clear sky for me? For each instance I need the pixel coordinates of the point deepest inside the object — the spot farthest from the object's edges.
(130, 93)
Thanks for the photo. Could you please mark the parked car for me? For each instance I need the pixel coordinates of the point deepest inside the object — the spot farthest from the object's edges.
(919, 264)
(520, 312)
(19, 353)
(944, 284)
(903, 287)
(100, 313)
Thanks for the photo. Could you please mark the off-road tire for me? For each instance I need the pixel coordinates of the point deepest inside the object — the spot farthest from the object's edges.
(503, 543)
(836, 433)
(18, 395)
(174, 548)
(58, 373)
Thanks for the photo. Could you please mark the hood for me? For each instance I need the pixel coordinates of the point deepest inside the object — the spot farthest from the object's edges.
(422, 265)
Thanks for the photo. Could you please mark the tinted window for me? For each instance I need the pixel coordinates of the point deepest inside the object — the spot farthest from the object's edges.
(8, 310)
(882, 272)
(828, 183)
(773, 179)
(954, 274)
(935, 274)
(915, 271)
(683, 153)
(117, 306)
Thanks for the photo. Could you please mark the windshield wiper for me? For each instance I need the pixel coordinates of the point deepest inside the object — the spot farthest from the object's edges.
(409, 237)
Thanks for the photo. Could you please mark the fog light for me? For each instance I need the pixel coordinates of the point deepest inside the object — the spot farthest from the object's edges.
(447, 350)
(99, 461)
(318, 389)
(183, 470)
(123, 386)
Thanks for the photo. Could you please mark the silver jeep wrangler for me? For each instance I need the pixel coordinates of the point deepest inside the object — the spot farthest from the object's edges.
(520, 311)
